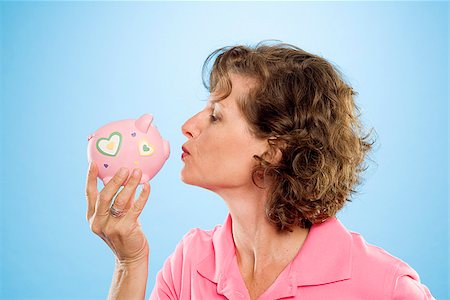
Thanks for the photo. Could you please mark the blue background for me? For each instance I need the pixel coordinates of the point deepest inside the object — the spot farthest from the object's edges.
(69, 68)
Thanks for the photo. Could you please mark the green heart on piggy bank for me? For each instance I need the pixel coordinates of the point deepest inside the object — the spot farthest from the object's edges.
(110, 146)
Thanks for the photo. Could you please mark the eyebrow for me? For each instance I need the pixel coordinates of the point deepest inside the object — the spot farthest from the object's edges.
(215, 102)
(216, 106)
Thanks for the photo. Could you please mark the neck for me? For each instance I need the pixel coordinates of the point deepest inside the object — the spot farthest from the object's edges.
(258, 242)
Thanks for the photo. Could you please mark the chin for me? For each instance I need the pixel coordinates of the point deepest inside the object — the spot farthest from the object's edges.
(194, 181)
(186, 178)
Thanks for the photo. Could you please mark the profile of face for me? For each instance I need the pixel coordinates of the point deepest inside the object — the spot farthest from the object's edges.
(220, 147)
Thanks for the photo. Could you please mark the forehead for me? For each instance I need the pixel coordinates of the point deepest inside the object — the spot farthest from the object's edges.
(240, 86)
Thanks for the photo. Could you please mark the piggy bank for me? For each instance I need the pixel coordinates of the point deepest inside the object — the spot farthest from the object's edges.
(128, 143)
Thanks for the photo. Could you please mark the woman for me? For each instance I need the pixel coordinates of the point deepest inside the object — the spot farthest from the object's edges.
(280, 141)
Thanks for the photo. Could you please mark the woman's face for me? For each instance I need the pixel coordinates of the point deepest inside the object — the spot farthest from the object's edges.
(220, 148)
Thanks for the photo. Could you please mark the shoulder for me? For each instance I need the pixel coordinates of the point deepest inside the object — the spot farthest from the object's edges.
(173, 280)
(377, 258)
(199, 236)
(196, 244)
(392, 275)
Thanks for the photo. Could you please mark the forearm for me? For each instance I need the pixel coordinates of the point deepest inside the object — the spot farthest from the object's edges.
(129, 281)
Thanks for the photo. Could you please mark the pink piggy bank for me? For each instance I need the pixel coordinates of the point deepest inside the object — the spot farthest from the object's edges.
(128, 143)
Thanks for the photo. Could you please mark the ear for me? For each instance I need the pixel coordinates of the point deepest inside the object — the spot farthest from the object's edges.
(274, 150)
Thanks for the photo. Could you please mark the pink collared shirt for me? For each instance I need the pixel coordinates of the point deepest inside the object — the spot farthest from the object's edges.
(333, 263)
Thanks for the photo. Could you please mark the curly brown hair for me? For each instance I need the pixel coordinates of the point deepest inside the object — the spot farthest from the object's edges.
(301, 104)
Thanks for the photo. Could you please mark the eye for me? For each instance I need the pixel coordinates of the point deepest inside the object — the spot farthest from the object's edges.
(214, 115)
(213, 118)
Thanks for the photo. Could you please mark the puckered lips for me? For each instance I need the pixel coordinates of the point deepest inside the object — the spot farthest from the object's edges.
(185, 152)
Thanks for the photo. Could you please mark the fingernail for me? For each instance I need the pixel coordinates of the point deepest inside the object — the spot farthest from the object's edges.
(136, 172)
(122, 171)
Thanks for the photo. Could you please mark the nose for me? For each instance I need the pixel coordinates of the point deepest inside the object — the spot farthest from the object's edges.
(190, 128)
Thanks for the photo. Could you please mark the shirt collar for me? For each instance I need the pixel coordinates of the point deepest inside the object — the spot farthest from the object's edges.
(223, 251)
(324, 257)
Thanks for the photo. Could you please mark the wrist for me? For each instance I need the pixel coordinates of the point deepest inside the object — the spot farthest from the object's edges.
(129, 279)
(137, 262)
(141, 258)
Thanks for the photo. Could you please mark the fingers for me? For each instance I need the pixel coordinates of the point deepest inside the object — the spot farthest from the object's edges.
(91, 189)
(128, 192)
(106, 195)
(131, 201)
(138, 205)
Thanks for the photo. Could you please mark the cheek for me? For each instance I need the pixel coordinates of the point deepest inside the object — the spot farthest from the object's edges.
(234, 156)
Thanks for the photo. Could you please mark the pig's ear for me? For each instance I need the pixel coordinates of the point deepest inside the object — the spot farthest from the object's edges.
(144, 122)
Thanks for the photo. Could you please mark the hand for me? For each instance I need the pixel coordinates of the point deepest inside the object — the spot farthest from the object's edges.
(123, 233)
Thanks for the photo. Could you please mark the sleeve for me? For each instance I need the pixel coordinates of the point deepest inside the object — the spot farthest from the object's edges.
(168, 283)
(408, 286)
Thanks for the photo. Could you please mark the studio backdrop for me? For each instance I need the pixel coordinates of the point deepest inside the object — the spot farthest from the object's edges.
(68, 68)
